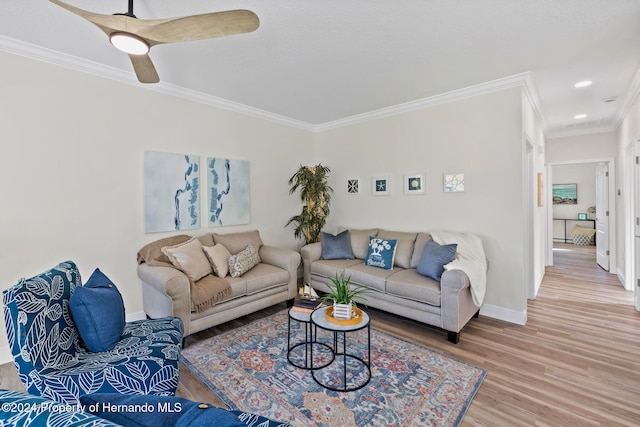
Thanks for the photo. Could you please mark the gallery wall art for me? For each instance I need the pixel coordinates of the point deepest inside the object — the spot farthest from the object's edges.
(565, 194)
(171, 187)
(414, 184)
(381, 185)
(229, 196)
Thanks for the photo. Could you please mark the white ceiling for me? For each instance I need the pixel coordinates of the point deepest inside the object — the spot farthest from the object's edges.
(323, 62)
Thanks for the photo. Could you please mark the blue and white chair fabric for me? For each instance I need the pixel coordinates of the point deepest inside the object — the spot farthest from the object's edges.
(51, 361)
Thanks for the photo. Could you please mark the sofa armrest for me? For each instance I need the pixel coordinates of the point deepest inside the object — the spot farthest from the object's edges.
(166, 292)
(456, 301)
(287, 260)
(284, 258)
(310, 253)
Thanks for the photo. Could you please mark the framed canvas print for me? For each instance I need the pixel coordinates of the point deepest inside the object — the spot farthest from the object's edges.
(352, 186)
(414, 184)
(565, 194)
(453, 182)
(228, 192)
(381, 185)
(171, 192)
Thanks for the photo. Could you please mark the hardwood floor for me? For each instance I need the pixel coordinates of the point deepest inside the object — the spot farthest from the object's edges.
(575, 363)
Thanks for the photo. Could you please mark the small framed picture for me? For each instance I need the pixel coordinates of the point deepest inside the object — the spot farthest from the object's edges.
(583, 216)
(453, 182)
(381, 185)
(353, 186)
(414, 184)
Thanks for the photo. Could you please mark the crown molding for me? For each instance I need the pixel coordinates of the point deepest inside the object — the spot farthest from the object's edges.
(54, 57)
(578, 132)
(39, 53)
(630, 97)
(515, 80)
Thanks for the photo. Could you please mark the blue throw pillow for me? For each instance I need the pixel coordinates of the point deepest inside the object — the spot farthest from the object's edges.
(166, 411)
(98, 312)
(336, 247)
(434, 257)
(381, 252)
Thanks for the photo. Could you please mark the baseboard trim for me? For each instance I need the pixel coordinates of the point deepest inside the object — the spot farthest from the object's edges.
(500, 313)
(138, 315)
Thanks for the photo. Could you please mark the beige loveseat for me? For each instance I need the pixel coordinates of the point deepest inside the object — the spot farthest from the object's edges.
(447, 304)
(166, 290)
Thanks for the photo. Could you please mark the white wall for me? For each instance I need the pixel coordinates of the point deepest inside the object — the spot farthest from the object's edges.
(581, 147)
(534, 135)
(628, 132)
(480, 137)
(71, 170)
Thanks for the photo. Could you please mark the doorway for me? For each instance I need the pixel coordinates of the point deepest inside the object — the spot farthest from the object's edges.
(606, 212)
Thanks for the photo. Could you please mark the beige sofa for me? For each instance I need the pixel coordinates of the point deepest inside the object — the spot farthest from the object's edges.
(447, 304)
(166, 291)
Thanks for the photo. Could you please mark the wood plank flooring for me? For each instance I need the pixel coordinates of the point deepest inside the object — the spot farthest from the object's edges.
(575, 363)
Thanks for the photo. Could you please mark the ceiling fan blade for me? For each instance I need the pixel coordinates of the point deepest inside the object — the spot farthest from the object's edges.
(112, 23)
(145, 70)
(199, 27)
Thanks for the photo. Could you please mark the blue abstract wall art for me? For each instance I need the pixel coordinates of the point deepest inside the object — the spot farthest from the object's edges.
(171, 187)
(229, 194)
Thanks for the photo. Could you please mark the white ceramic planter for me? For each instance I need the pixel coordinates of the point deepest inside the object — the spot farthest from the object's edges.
(342, 311)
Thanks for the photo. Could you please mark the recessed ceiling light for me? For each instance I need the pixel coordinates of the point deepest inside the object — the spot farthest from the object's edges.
(583, 83)
(580, 116)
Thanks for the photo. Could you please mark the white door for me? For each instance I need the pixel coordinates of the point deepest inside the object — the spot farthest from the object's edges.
(602, 215)
(635, 188)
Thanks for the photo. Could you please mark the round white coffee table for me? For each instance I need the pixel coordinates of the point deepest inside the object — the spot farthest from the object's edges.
(354, 372)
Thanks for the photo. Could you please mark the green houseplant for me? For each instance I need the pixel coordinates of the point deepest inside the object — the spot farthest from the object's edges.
(315, 194)
(344, 296)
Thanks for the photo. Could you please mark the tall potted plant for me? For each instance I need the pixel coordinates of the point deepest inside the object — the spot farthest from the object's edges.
(315, 194)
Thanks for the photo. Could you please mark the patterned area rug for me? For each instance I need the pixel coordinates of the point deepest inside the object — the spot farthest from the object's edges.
(410, 384)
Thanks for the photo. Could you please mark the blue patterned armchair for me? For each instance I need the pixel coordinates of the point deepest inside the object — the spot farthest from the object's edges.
(51, 361)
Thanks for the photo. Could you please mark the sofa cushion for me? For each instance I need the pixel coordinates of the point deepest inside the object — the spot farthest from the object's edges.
(329, 268)
(411, 285)
(434, 257)
(189, 258)
(237, 242)
(421, 240)
(360, 240)
(370, 277)
(264, 276)
(151, 253)
(218, 257)
(404, 250)
(206, 239)
(98, 312)
(243, 261)
(381, 252)
(336, 247)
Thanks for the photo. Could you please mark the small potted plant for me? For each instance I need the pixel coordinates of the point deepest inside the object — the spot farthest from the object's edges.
(344, 296)
(592, 212)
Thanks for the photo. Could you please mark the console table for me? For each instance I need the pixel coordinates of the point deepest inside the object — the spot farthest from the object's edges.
(565, 239)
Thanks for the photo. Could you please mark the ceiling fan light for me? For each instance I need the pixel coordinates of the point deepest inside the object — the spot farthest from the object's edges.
(129, 43)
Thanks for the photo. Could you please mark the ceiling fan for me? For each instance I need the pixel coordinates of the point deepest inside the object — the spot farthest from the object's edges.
(136, 36)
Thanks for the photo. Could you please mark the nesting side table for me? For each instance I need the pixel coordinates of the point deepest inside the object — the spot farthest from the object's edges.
(348, 371)
(295, 347)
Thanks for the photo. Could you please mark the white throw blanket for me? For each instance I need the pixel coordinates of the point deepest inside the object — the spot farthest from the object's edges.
(470, 259)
